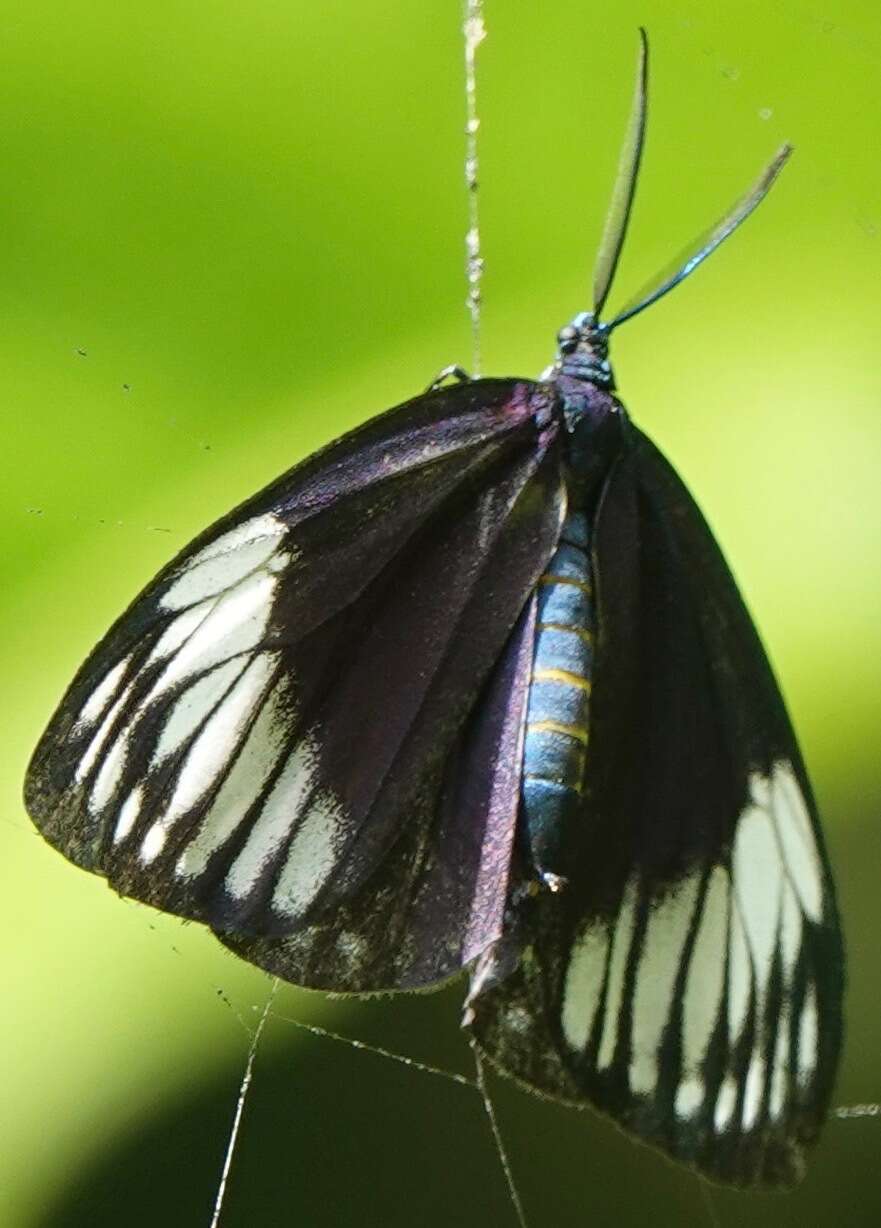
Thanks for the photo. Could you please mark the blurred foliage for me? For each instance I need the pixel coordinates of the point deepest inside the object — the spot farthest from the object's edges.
(227, 234)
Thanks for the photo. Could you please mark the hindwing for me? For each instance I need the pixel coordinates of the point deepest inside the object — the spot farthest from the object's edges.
(688, 979)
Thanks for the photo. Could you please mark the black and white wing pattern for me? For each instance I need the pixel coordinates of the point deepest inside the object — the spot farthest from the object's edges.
(273, 737)
(688, 980)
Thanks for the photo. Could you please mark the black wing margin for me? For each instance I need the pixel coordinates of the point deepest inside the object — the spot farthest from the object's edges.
(688, 982)
(269, 738)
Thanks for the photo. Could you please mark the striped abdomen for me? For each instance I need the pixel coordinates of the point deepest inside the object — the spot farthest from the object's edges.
(555, 745)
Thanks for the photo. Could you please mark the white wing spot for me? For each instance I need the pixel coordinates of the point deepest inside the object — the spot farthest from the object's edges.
(740, 973)
(689, 1097)
(758, 881)
(101, 696)
(109, 774)
(780, 1069)
(128, 814)
(666, 933)
(755, 1086)
(223, 564)
(790, 932)
(243, 784)
(310, 858)
(283, 808)
(617, 971)
(94, 748)
(808, 1035)
(704, 985)
(267, 525)
(760, 791)
(797, 840)
(180, 629)
(193, 706)
(235, 625)
(153, 844)
(212, 749)
(726, 1103)
(584, 984)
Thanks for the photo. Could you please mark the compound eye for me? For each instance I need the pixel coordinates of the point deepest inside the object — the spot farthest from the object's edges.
(567, 339)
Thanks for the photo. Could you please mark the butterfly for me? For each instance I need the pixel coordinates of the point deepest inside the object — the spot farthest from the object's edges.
(473, 689)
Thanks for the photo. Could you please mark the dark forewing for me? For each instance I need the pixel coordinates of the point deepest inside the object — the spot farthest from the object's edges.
(251, 739)
(689, 981)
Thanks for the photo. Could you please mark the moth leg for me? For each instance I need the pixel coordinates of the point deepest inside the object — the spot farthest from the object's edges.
(459, 374)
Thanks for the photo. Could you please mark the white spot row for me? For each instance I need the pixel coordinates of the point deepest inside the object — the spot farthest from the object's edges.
(224, 563)
(743, 924)
(213, 748)
(224, 595)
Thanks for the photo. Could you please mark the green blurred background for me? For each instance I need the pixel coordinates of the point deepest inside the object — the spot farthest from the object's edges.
(229, 232)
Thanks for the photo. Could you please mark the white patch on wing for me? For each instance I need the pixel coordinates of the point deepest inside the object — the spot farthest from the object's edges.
(93, 750)
(790, 933)
(236, 624)
(790, 946)
(128, 814)
(267, 525)
(758, 881)
(153, 843)
(617, 971)
(214, 747)
(755, 1087)
(584, 984)
(224, 563)
(689, 1097)
(310, 857)
(740, 973)
(101, 696)
(808, 1036)
(180, 629)
(726, 1103)
(244, 782)
(760, 791)
(797, 840)
(194, 705)
(705, 982)
(659, 963)
(283, 809)
(780, 1068)
(110, 773)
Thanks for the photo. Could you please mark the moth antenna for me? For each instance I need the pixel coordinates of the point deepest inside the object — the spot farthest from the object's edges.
(618, 215)
(707, 243)
(483, 1088)
(244, 1087)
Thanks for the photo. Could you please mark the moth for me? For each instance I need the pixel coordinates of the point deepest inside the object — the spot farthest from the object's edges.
(472, 689)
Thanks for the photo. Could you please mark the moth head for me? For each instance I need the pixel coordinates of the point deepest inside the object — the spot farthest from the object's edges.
(583, 351)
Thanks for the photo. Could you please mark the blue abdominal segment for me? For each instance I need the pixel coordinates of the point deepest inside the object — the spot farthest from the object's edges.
(557, 719)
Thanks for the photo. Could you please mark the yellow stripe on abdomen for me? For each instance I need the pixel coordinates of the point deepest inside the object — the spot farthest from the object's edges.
(564, 676)
(578, 732)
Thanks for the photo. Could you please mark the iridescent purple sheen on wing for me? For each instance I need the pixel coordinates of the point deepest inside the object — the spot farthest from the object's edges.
(491, 772)
(412, 887)
(340, 531)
